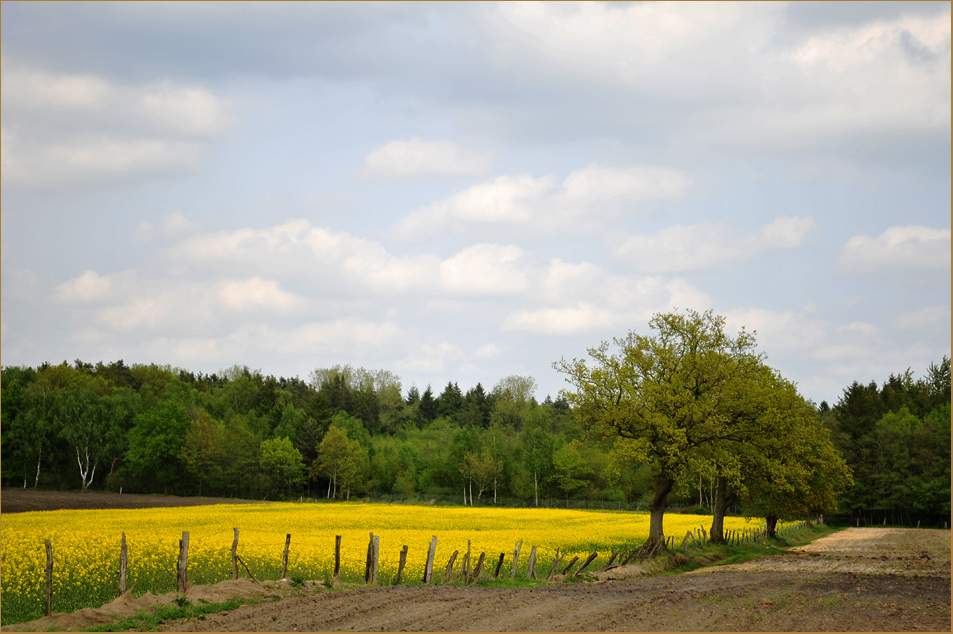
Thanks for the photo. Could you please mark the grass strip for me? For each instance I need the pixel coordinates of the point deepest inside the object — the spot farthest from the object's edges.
(183, 609)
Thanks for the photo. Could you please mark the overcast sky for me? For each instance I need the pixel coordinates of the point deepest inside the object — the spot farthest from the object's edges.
(460, 192)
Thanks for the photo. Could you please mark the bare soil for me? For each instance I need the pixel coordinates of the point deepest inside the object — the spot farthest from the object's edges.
(25, 500)
(859, 579)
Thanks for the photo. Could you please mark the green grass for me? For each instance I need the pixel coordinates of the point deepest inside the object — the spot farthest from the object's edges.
(150, 621)
(721, 555)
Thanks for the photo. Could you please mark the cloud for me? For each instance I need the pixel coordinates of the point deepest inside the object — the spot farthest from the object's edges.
(430, 358)
(175, 225)
(520, 200)
(484, 269)
(255, 293)
(708, 245)
(808, 336)
(911, 248)
(934, 320)
(70, 129)
(488, 351)
(88, 287)
(417, 158)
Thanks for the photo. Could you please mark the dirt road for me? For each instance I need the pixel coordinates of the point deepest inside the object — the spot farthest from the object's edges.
(855, 580)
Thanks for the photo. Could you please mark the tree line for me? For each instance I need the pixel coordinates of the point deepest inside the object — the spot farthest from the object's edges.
(687, 415)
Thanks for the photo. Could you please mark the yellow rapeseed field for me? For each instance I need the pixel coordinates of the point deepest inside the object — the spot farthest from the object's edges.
(86, 544)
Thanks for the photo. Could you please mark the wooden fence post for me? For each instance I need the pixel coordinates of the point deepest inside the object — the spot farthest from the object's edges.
(337, 560)
(531, 569)
(403, 562)
(183, 563)
(552, 569)
(428, 571)
(586, 563)
(479, 567)
(570, 565)
(611, 559)
(235, 556)
(450, 563)
(499, 565)
(123, 560)
(370, 572)
(49, 577)
(466, 564)
(516, 558)
(284, 558)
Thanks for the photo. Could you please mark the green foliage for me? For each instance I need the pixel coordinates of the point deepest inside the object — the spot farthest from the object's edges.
(281, 463)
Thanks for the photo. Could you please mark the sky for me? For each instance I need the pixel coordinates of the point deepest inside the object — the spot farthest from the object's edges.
(462, 192)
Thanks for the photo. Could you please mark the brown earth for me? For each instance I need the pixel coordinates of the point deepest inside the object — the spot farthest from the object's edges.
(865, 579)
(25, 500)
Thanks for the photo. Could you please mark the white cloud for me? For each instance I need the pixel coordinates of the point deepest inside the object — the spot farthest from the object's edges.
(934, 320)
(484, 269)
(488, 351)
(582, 317)
(88, 287)
(85, 129)
(417, 158)
(588, 193)
(911, 248)
(708, 245)
(255, 293)
(430, 358)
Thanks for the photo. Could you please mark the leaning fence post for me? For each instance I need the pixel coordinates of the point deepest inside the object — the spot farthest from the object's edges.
(123, 553)
(479, 567)
(516, 558)
(284, 558)
(449, 574)
(403, 562)
(235, 556)
(337, 559)
(428, 571)
(49, 577)
(588, 561)
(531, 569)
(183, 567)
(499, 565)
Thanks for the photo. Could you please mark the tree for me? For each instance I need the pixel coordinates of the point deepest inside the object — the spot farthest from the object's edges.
(239, 456)
(536, 448)
(203, 443)
(341, 459)
(281, 463)
(481, 469)
(572, 472)
(155, 445)
(661, 396)
(85, 425)
(513, 400)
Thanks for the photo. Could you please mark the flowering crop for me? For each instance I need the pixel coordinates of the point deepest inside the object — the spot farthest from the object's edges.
(86, 544)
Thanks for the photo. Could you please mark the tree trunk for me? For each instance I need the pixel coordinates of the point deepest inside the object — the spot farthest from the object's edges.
(37, 481)
(771, 522)
(536, 487)
(722, 501)
(656, 541)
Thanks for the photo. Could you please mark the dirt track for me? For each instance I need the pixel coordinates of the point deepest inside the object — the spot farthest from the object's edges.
(855, 580)
(860, 579)
(25, 500)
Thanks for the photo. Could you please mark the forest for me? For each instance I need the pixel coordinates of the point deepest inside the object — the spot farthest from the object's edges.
(349, 432)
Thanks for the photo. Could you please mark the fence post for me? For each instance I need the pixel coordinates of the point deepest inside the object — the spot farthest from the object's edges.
(586, 563)
(479, 567)
(428, 571)
(183, 564)
(466, 564)
(449, 575)
(403, 561)
(531, 569)
(235, 556)
(570, 565)
(123, 553)
(284, 558)
(49, 577)
(337, 560)
(516, 558)
(499, 565)
(370, 572)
